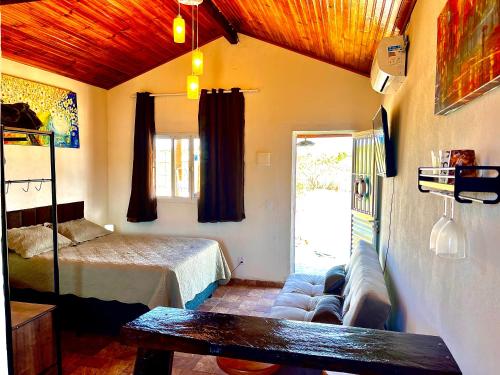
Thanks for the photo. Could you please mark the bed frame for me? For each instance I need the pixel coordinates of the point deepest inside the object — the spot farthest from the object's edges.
(82, 314)
(41, 215)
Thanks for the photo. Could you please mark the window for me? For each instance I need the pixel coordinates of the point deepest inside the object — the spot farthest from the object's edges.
(177, 166)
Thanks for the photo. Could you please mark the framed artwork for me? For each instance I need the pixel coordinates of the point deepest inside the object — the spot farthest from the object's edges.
(468, 52)
(55, 107)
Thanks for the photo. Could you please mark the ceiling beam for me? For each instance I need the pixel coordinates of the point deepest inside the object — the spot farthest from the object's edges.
(230, 32)
(404, 15)
(8, 2)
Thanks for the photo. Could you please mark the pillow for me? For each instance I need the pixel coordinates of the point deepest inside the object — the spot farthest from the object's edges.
(328, 310)
(81, 230)
(335, 280)
(35, 240)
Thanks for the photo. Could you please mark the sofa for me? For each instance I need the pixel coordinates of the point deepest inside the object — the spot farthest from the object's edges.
(362, 301)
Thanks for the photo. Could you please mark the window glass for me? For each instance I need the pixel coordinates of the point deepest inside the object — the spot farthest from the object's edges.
(181, 162)
(164, 166)
(177, 166)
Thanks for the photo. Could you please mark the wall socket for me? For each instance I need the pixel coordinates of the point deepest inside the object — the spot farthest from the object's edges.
(241, 260)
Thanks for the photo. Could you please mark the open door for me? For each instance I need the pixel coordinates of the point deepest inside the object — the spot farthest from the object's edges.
(365, 191)
(321, 201)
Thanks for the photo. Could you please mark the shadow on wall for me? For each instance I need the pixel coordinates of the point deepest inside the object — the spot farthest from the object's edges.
(397, 319)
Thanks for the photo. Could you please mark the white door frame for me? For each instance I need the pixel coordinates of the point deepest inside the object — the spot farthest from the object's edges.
(293, 197)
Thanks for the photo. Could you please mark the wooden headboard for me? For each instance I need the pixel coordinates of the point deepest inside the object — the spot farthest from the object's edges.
(41, 215)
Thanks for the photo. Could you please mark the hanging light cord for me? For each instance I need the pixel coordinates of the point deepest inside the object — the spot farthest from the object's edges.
(390, 225)
(179, 2)
(192, 28)
(197, 26)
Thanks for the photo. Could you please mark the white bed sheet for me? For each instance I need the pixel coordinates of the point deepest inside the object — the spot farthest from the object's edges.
(148, 269)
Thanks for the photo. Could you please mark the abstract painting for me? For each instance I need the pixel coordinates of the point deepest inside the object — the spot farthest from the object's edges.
(55, 107)
(468, 52)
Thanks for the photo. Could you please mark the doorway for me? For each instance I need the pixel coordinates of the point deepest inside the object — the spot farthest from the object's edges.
(321, 201)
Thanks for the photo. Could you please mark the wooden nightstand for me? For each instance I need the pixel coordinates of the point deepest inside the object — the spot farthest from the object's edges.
(33, 339)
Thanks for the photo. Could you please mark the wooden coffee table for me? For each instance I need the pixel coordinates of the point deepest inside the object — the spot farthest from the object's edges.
(163, 331)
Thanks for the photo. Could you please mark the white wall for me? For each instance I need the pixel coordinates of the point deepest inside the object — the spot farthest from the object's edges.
(297, 93)
(458, 300)
(81, 173)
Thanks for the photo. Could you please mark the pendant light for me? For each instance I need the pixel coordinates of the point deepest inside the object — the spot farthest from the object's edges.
(193, 80)
(193, 87)
(197, 55)
(179, 27)
(197, 62)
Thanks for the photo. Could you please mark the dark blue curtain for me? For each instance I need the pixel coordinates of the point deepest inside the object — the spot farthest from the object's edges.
(142, 205)
(221, 120)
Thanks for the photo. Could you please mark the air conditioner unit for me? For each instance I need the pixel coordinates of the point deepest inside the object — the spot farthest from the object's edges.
(389, 65)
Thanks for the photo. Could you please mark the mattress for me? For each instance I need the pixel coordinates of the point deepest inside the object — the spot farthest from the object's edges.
(148, 269)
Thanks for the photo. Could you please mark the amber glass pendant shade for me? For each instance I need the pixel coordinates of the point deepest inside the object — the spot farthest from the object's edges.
(193, 87)
(179, 29)
(197, 62)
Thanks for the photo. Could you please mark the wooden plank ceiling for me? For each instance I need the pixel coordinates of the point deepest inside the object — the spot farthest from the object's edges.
(107, 42)
(340, 32)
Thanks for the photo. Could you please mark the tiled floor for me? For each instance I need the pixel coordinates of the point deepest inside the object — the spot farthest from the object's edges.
(104, 355)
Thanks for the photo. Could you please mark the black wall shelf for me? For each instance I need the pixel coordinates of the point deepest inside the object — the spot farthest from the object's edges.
(459, 181)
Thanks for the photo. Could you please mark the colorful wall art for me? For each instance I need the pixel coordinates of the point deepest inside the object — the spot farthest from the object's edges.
(55, 107)
(468, 52)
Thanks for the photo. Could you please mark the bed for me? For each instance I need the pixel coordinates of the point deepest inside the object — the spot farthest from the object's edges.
(146, 270)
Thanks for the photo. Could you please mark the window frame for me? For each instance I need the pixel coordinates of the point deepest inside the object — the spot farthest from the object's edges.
(193, 197)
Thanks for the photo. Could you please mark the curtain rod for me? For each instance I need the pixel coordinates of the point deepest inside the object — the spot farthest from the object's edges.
(248, 91)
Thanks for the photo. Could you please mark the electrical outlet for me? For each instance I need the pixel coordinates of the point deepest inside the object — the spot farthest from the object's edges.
(241, 260)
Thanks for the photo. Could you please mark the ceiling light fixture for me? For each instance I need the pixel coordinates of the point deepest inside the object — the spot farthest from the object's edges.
(197, 55)
(193, 80)
(179, 28)
(197, 62)
(193, 87)
(191, 2)
(306, 142)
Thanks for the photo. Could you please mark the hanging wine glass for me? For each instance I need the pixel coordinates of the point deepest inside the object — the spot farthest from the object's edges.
(438, 226)
(451, 240)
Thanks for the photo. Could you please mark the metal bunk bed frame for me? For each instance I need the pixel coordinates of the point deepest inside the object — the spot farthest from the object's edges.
(5, 250)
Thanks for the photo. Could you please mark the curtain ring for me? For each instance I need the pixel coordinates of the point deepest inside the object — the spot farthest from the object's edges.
(27, 188)
(39, 187)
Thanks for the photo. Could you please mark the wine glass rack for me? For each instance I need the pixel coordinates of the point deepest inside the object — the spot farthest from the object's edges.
(459, 182)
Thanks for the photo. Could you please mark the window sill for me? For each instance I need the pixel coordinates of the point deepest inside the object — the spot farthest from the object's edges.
(177, 200)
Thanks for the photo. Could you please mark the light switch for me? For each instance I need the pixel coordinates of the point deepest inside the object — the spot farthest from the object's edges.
(264, 159)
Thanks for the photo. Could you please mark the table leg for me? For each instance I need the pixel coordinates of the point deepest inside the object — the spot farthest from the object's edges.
(153, 362)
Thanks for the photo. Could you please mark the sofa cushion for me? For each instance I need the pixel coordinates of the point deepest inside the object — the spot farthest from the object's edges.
(334, 280)
(362, 253)
(366, 265)
(365, 298)
(299, 297)
(328, 310)
(297, 300)
(370, 307)
(291, 313)
(367, 303)
(311, 285)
